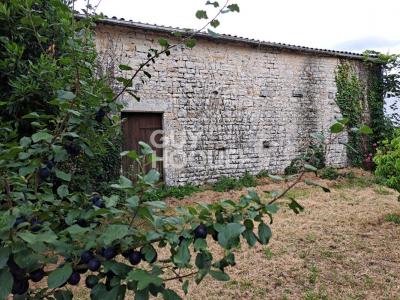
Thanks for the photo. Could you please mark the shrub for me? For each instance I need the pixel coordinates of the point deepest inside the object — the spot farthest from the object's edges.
(387, 160)
(262, 174)
(164, 191)
(55, 225)
(247, 180)
(329, 173)
(225, 184)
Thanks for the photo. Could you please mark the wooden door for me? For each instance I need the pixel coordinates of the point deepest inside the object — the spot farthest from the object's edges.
(144, 127)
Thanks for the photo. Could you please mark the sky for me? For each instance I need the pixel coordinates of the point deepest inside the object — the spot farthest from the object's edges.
(352, 25)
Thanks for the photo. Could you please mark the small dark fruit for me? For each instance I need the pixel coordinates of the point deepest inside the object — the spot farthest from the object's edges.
(109, 253)
(91, 281)
(19, 221)
(36, 225)
(200, 232)
(127, 253)
(37, 275)
(17, 272)
(135, 257)
(100, 115)
(49, 164)
(82, 223)
(74, 278)
(82, 269)
(20, 287)
(94, 264)
(86, 257)
(97, 201)
(72, 149)
(44, 173)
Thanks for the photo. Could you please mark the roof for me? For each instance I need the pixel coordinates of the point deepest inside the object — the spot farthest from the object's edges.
(230, 38)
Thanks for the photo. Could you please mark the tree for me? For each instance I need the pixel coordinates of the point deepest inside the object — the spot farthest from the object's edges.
(56, 117)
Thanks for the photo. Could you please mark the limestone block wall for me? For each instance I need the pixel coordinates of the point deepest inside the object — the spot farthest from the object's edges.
(228, 107)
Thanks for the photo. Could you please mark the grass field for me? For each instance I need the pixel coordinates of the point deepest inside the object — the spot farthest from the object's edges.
(345, 245)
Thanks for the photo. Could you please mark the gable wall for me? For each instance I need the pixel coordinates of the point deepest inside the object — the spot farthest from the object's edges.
(228, 107)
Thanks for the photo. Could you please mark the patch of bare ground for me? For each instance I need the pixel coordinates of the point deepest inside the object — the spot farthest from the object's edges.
(338, 248)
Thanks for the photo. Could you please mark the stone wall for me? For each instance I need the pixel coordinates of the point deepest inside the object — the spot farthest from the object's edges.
(228, 107)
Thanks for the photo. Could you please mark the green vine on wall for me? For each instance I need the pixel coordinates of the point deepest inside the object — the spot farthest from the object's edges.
(349, 97)
(352, 97)
(382, 127)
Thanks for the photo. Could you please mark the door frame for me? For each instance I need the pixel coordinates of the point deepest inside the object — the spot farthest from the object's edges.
(125, 112)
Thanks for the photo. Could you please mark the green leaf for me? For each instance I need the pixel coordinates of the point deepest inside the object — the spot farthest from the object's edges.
(156, 204)
(250, 237)
(212, 33)
(41, 136)
(124, 183)
(4, 254)
(364, 129)
(170, 295)
(62, 175)
(124, 67)
(215, 23)
(201, 14)
(30, 238)
(25, 141)
(114, 232)
(59, 276)
(76, 229)
(149, 252)
(144, 278)
(190, 43)
(152, 177)
(219, 275)
(214, 3)
(65, 95)
(133, 202)
(163, 42)
(63, 295)
(63, 191)
(145, 148)
(295, 206)
(229, 234)
(26, 170)
(336, 128)
(6, 283)
(310, 167)
(313, 183)
(275, 177)
(142, 294)
(185, 286)
(264, 233)
(233, 7)
(272, 208)
(182, 256)
(200, 244)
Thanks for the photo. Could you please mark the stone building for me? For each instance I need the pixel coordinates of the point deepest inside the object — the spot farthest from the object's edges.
(228, 105)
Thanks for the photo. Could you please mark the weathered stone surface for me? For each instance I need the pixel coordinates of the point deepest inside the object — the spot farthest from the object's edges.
(229, 107)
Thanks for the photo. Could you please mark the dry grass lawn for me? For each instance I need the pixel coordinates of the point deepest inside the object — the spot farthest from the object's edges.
(340, 247)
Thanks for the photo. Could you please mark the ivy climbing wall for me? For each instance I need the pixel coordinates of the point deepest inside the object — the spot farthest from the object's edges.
(230, 107)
